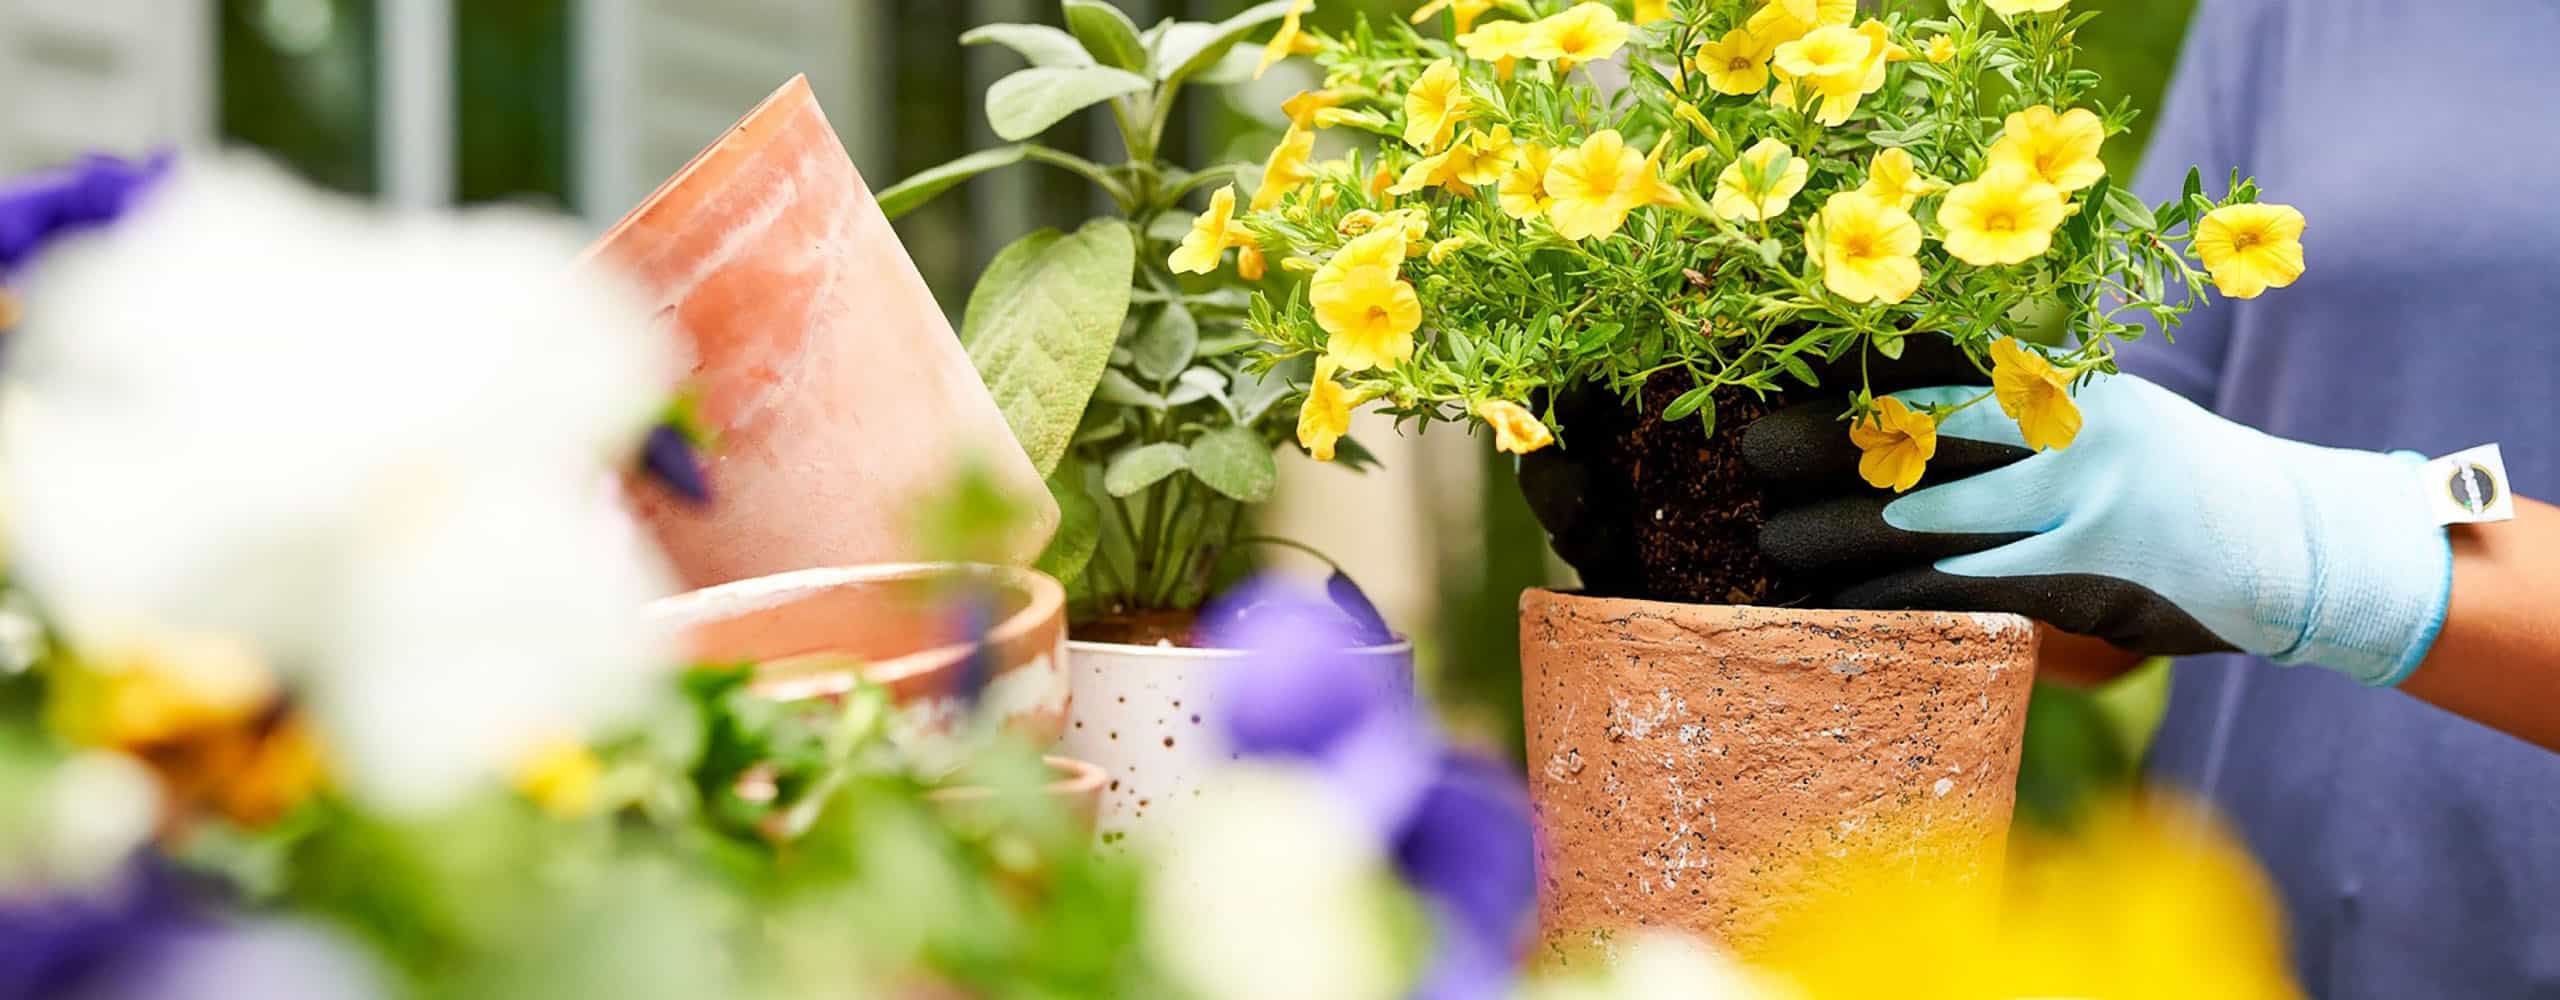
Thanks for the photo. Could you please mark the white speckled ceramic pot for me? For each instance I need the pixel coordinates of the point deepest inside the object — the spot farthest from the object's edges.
(1149, 715)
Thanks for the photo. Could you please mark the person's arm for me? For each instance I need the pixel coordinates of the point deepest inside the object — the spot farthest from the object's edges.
(2079, 660)
(2497, 660)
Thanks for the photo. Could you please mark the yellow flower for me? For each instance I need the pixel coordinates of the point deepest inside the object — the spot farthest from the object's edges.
(562, 779)
(1595, 185)
(1305, 110)
(1893, 179)
(1326, 415)
(1649, 11)
(1736, 64)
(1466, 11)
(2035, 394)
(1941, 48)
(1432, 170)
(1515, 429)
(2013, 8)
(1380, 180)
(1440, 252)
(1581, 34)
(1896, 443)
(1836, 63)
(2063, 149)
(2006, 216)
(1287, 168)
(1870, 249)
(1782, 21)
(1249, 263)
(1435, 106)
(1501, 43)
(1487, 153)
(1211, 234)
(1757, 185)
(1690, 115)
(2251, 248)
(1524, 184)
(1370, 313)
(134, 689)
(1383, 246)
(1285, 40)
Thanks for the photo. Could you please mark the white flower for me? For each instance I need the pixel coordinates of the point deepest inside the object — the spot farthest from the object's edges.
(1272, 889)
(373, 446)
(1662, 965)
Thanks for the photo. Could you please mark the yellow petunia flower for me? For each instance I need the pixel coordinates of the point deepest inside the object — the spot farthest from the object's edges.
(1249, 263)
(1942, 48)
(1435, 106)
(1285, 40)
(2006, 216)
(1757, 185)
(1369, 313)
(1893, 179)
(2035, 394)
(1379, 181)
(2013, 8)
(1385, 246)
(1440, 252)
(561, 778)
(1585, 32)
(1649, 11)
(1487, 153)
(1502, 43)
(1738, 63)
(1595, 185)
(1288, 168)
(1466, 11)
(2251, 248)
(1434, 170)
(1895, 443)
(1782, 21)
(1515, 429)
(1524, 183)
(1211, 234)
(1870, 249)
(1305, 111)
(1326, 415)
(2063, 149)
(1837, 64)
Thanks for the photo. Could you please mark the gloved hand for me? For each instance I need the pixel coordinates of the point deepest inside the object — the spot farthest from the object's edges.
(2163, 528)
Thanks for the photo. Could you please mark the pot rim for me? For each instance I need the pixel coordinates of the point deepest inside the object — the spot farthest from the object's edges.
(2003, 618)
(1401, 647)
(1044, 600)
(1076, 777)
(796, 87)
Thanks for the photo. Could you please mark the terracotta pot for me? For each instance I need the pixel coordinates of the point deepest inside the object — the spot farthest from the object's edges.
(816, 633)
(838, 394)
(1078, 789)
(1149, 715)
(1692, 766)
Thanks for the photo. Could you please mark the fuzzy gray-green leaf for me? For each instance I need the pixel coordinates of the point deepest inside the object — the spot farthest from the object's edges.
(1163, 347)
(1040, 326)
(1107, 33)
(1027, 102)
(1236, 462)
(906, 195)
(1039, 43)
(1139, 468)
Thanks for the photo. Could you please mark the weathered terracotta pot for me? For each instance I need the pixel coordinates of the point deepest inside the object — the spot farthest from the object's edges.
(1150, 716)
(1078, 789)
(816, 633)
(837, 392)
(1693, 766)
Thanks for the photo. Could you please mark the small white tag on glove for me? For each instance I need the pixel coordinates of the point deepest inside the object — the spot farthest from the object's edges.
(2468, 487)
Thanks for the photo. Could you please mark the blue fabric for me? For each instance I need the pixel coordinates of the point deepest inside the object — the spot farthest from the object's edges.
(2293, 551)
(2418, 853)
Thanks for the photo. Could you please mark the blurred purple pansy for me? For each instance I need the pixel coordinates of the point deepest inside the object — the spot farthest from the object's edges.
(37, 208)
(668, 456)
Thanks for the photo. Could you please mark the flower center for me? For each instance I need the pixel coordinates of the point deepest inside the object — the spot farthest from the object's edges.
(1858, 246)
(1377, 316)
(2244, 240)
(1738, 64)
(2000, 222)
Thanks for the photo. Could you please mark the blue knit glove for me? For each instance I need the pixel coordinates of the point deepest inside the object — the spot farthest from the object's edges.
(2164, 529)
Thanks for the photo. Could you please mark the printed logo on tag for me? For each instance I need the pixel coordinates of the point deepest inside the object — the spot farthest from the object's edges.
(2469, 487)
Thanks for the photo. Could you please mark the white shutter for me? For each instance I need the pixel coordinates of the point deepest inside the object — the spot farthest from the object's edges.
(122, 76)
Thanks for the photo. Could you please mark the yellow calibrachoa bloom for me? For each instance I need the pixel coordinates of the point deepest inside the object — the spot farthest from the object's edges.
(1595, 185)
(1837, 64)
(2006, 216)
(1524, 183)
(1689, 114)
(1649, 11)
(1501, 43)
(1755, 187)
(1515, 429)
(1435, 106)
(2035, 394)
(1738, 63)
(1586, 32)
(1304, 110)
(2013, 8)
(562, 778)
(1211, 234)
(1783, 21)
(1369, 312)
(1379, 181)
(1941, 48)
(1870, 249)
(1249, 263)
(1896, 443)
(2251, 248)
(1285, 40)
(1894, 180)
(1287, 168)
(1326, 415)
(2063, 149)
(1384, 246)
(1484, 157)
(1466, 11)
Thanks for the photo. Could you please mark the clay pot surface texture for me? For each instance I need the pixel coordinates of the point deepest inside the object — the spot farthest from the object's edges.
(817, 633)
(1703, 767)
(1150, 716)
(1077, 789)
(836, 393)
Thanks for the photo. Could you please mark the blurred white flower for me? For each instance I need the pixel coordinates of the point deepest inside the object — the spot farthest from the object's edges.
(378, 447)
(86, 817)
(1662, 965)
(1271, 889)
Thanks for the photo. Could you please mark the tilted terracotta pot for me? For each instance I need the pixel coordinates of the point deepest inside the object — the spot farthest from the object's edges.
(1692, 766)
(834, 385)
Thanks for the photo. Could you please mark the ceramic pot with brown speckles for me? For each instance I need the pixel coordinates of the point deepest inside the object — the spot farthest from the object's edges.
(1692, 765)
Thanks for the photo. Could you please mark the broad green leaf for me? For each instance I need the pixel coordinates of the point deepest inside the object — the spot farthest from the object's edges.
(1107, 33)
(1079, 525)
(1139, 468)
(1125, 391)
(1236, 462)
(1027, 102)
(1039, 43)
(1040, 326)
(1351, 454)
(1163, 347)
(1254, 392)
(1190, 48)
(906, 195)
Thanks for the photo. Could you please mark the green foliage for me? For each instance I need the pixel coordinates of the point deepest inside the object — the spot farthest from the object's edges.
(1040, 328)
(1026, 103)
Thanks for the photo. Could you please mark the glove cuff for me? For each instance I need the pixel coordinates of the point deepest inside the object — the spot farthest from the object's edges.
(2382, 572)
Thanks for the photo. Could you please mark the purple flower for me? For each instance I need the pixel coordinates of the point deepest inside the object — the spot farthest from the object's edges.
(36, 208)
(1470, 850)
(668, 456)
(53, 940)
